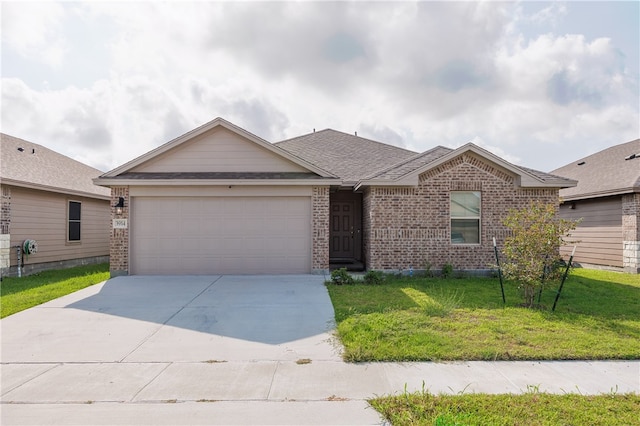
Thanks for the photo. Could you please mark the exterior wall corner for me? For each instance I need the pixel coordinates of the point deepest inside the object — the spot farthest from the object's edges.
(631, 232)
(119, 241)
(320, 228)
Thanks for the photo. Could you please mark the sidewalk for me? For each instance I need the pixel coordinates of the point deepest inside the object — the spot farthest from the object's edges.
(272, 392)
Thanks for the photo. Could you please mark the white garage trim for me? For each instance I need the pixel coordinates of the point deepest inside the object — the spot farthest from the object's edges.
(220, 235)
(221, 191)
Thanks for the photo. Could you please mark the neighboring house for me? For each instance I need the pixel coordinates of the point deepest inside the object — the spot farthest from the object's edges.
(607, 199)
(221, 200)
(51, 199)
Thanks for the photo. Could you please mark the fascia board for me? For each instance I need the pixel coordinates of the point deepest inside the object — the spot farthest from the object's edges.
(619, 191)
(57, 190)
(386, 182)
(217, 182)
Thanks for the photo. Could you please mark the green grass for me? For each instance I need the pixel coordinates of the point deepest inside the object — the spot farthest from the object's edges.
(529, 409)
(18, 294)
(429, 319)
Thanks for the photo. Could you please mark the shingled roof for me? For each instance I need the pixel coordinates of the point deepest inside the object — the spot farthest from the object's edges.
(361, 161)
(612, 171)
(27, 164)
(350, 157)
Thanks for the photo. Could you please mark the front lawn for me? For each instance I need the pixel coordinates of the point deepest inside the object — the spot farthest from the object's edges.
(18, 294)
(527, 409)
(427, 319)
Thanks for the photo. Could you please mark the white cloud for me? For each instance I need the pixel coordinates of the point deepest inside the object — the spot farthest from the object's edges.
(398, 72)
(33, 29)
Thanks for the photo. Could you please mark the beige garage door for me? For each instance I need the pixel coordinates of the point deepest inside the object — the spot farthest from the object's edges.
(220, 235)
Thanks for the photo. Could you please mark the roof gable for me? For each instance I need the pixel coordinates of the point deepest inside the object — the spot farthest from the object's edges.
(604, 173)
(408, 172)
(30, 165)
(217, 147)
(218, 150)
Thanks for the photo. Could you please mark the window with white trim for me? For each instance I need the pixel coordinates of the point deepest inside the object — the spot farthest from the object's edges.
(74, 215)
(465, 217)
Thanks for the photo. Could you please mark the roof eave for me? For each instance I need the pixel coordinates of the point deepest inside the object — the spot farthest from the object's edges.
(386, 182)
(30, 185)
(216, 182)
(599, 194)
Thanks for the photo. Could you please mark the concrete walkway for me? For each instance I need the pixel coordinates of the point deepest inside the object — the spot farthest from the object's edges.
(169, 351)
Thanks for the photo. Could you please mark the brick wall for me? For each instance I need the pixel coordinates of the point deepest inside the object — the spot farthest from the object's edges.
(5, 210)
(409, 227)
(320, 229)
(631, 232)
(119, 244)
(5, 225)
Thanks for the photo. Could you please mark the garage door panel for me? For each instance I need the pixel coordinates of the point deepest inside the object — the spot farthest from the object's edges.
(220, 235)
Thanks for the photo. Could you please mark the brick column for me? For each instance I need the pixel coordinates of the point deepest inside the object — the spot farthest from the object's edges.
(5, 231)
(320, 229)
(119, 242)
(631, 232)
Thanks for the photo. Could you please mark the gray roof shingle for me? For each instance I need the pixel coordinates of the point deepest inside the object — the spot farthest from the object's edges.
(411, 164)
(604, 173)
(350, 157)
(37, 166)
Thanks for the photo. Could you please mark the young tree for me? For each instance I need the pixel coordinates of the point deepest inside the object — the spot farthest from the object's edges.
(532, 252)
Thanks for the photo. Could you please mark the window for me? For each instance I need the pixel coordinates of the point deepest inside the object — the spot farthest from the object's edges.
(75, 214)
(465, 217)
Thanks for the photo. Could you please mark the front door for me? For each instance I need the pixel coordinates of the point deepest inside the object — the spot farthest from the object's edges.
(342, 230)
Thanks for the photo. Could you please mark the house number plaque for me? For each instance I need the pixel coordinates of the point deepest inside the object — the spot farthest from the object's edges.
(120, 224)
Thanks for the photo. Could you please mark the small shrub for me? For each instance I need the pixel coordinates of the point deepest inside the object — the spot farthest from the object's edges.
(341, 277)
(427, 269)
(447, 270)
(374, 277)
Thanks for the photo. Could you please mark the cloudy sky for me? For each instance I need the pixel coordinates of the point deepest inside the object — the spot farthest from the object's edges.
(539, 83)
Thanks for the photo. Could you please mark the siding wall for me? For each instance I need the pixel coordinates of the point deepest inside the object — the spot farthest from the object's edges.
(42, 216)
(599, 232)
(219, 151)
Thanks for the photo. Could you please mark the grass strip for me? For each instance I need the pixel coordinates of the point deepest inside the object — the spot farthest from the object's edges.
(531, 409)
(18, 294)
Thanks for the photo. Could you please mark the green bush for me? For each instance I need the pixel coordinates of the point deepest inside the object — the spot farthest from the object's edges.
(374, 277)
(341, 277)
(447, 270)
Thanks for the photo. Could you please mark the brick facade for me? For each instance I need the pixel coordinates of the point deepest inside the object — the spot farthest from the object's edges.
(631, 232)
(320, 229)
(410, 227)
(5, 210)
(119, 245)
(5, 229)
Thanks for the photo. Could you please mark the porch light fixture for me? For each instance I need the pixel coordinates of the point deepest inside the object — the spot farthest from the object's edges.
(119, 206)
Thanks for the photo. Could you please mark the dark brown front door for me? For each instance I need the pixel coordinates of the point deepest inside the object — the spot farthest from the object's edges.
(342, 230)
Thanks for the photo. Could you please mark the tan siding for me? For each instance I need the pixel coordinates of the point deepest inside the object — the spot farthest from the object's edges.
(599, 233)
(42, 216)
(219, 151)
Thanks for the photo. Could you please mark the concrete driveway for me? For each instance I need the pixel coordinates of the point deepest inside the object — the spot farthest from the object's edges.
(178, 350)
(179, 319)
